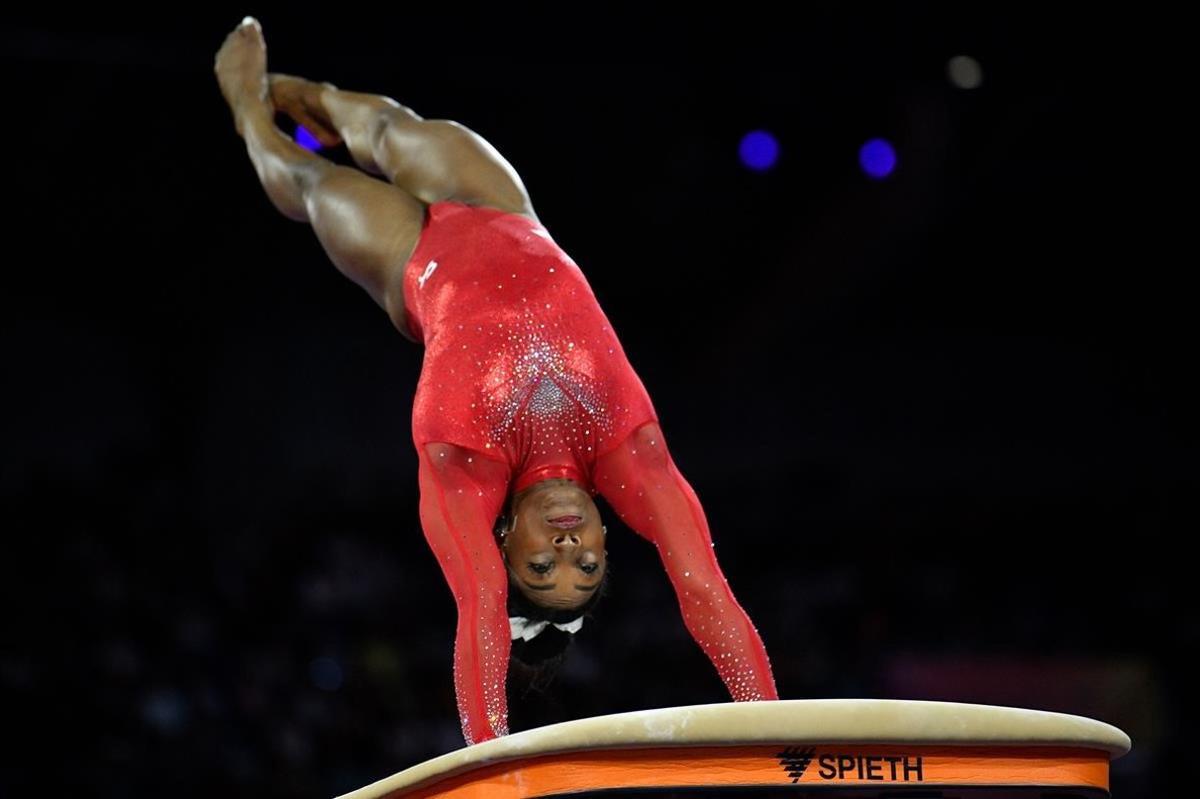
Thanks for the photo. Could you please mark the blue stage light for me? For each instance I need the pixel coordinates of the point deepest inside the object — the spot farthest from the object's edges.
(306, 139)
(759, 150)
(877, 158)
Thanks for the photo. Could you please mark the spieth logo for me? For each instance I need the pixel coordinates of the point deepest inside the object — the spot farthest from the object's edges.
(847, 767)
(795, 760)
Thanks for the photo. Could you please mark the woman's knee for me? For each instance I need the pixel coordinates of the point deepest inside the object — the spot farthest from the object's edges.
(421, 156)
(440, 159)
(385, 123)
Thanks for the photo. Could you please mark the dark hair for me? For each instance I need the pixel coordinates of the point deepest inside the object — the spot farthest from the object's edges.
(535, 663)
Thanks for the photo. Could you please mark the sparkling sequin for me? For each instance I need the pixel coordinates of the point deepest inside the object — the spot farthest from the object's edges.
(664, 510)
(540, 377)
(535, 379)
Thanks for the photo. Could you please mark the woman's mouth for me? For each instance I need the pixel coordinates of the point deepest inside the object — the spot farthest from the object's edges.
(565, 522)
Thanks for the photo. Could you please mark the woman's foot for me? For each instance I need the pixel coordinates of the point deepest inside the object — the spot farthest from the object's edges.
(241, 69)
(300, 99)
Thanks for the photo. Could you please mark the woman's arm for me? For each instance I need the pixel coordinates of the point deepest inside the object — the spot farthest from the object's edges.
(640, 480)
(461, 496)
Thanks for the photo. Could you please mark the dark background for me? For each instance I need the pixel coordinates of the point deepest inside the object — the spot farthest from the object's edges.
(940, 423)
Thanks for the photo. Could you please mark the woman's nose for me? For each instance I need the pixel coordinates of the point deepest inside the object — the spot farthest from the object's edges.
(566, 540)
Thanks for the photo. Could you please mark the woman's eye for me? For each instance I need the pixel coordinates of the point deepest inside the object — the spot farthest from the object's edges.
(540, 568)
(589, 568)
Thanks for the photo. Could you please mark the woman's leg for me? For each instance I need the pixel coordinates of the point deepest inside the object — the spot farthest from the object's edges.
(368, 227)
(462, 493)
(640, 481)
(432, 159)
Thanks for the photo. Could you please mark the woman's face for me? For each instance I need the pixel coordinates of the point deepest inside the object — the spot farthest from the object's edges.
(555, 546)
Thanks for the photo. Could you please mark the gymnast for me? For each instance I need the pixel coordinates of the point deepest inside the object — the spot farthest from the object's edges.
(526, 406)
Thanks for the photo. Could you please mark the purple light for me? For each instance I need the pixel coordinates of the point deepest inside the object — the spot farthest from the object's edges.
(306, 139)
(878, 158)
(759, 150)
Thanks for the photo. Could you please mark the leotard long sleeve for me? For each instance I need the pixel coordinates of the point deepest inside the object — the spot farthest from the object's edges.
(523, 379)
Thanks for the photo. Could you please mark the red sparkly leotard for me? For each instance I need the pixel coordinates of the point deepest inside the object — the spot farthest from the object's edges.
(523, 379)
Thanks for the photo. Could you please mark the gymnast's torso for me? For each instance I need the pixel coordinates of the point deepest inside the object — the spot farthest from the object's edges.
(521, 364)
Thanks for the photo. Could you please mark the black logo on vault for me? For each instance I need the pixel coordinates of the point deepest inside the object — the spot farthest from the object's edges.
(795, 760)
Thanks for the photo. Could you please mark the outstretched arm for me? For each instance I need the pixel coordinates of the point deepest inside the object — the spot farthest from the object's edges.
(640, 481)
(461, 495)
